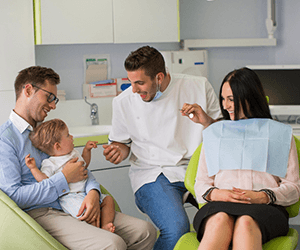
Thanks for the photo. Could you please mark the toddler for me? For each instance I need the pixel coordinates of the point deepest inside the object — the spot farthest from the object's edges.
(53, 138)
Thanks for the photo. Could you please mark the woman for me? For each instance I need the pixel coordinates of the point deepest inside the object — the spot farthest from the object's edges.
(248, 169)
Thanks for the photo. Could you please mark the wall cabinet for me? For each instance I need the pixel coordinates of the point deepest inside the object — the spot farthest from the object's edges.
(76, 21)
(139, 21)
(106, 21)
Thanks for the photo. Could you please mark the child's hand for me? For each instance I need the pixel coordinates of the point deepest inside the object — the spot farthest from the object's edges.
(30, 162)
(91, 144)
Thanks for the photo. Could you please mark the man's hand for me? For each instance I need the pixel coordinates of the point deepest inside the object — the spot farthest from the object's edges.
(75, 171)
(199, 114)
(115, 152)
(90, 208)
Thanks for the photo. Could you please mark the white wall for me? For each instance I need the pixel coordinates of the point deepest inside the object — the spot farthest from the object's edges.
(227, 19)
(67, 61)
(16, 48)
(241, 19)
(288, 49)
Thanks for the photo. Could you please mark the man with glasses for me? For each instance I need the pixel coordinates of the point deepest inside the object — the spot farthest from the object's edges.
(51, 96)
(36, 90)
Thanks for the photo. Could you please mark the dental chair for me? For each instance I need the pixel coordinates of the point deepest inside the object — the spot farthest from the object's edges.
(189, 240)
(19, 231)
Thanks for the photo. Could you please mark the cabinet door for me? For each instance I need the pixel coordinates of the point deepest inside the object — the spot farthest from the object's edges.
(76, 21)
(139, 21)
(117, 182)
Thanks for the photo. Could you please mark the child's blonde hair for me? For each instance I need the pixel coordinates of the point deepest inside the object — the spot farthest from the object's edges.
(45, 135)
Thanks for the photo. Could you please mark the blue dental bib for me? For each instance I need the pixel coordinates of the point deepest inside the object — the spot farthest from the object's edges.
(250, 144)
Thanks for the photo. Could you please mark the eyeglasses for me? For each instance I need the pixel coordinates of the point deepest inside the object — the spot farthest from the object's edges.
(51, 96)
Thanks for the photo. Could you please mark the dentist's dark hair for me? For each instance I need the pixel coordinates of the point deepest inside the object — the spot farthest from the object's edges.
(146, 58)
(248, 95)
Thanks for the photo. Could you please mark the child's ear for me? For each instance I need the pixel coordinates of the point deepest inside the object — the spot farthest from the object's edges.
(57, 146)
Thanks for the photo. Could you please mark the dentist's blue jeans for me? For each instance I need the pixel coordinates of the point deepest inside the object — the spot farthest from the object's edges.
(162, 202)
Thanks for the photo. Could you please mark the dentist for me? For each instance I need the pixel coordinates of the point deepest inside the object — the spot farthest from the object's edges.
(147, 122)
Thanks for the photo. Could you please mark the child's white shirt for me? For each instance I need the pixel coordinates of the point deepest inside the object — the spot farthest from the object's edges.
(55, 164)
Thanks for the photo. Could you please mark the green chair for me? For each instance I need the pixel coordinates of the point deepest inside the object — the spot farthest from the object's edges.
(19, 231)
(189, 240)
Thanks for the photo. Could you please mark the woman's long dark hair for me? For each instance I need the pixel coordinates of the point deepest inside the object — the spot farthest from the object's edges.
(248, 94)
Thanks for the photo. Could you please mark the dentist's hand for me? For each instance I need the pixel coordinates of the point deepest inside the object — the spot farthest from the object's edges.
(115, 152)
(199, 115)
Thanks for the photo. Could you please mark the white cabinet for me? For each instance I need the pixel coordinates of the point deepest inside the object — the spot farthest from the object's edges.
(187, 62)
(141, 21)
(106, 21)
(76, 21)
(117, 182)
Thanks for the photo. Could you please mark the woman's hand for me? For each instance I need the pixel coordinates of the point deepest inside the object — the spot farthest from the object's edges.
(199, 115)
(239, 196)
(228, 196)
(255, 197)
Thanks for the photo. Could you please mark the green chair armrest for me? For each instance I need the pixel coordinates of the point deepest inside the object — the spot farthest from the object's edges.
(191, 172)
(293, 210)
(284, 242)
